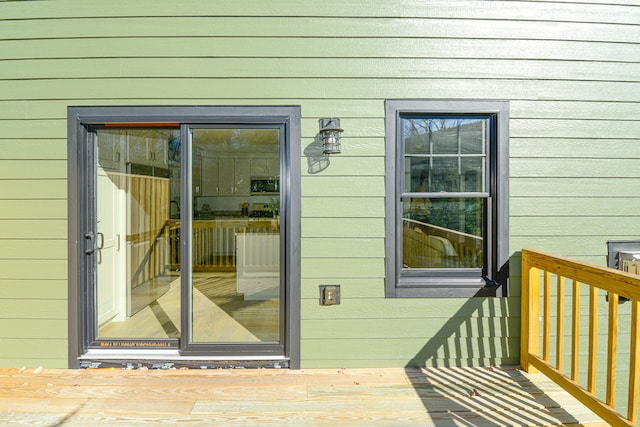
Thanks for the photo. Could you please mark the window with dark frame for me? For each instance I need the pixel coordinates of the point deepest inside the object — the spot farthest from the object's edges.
(447, 198)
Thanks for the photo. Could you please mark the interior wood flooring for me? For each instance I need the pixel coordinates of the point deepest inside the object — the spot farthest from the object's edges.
(442, 397)
(220, 314)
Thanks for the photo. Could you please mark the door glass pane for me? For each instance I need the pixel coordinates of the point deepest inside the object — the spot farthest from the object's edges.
(138, 279)
(235, 289)
(442, 232)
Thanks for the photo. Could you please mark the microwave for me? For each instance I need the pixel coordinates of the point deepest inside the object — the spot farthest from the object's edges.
(265, 185)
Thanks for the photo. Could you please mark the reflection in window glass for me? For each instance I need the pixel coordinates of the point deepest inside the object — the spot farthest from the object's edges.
(445, 154)
(442, 155)
(443, 232)
(138, 233)
(235, 235)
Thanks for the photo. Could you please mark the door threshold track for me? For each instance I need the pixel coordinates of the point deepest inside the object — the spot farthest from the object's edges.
(173, 360)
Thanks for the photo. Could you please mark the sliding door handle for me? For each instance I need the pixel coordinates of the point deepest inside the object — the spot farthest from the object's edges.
(92, 243)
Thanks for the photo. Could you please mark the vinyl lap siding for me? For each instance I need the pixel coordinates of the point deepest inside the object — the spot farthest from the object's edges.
(569, 70)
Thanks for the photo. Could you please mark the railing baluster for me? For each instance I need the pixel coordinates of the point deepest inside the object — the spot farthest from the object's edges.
(560, 325)
(612, 348)
(546, 330)
(634, 363)
(593, 339)
(575, 331)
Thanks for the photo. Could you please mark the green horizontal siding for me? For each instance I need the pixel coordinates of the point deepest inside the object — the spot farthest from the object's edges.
(352, 108)
(568, 226)
(33, 268)
(412, 309)
(318, 47)
(33, 309)
(31, 189)
(606, 209)
(30, 289)
(336, 186)
(345, 88)
(343, 207)
(33, 229)
(433, 349)
(315, 67)
(382, 328)
(413, 362)
(555, 10)
(325, 26)
(33, 328)
(570, 71)
(34, 209)
(560, 147)
(54, 349)
(346, 247)
(582, 247)
(346, 227)
(562, 186)
(24, 249)
(336, 268)
(21, 149)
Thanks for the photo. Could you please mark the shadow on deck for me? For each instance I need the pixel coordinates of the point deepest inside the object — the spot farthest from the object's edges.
(486, 396)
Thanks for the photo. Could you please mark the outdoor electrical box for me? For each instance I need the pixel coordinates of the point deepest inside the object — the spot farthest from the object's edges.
(624, 255)
(629, 261)
(329, 294)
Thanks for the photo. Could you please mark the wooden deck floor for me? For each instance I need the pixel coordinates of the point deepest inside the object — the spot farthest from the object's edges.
(266, 397)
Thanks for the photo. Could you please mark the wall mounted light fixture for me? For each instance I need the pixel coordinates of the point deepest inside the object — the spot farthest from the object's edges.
(330, 135)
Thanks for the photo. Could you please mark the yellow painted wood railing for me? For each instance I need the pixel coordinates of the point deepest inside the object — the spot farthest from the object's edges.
(537, 270)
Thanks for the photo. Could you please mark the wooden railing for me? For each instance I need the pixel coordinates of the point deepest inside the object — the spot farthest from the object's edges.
(537, 271)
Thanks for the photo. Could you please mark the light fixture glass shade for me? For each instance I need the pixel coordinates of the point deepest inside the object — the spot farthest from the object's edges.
(330, 135)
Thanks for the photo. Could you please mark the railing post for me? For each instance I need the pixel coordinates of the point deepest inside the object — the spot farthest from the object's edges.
(530, 313)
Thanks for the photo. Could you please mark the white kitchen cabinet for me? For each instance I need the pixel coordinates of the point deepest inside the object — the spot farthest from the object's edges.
(242, 176)
(265, 167)
(226, 177)
(210, 176)
(234, 177)
(147, 151)
(111, 152)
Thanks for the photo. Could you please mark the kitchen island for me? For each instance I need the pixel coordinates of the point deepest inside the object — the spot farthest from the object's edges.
(214, 240)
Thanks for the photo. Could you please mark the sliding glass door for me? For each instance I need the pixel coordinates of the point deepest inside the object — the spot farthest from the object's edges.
(184, 245)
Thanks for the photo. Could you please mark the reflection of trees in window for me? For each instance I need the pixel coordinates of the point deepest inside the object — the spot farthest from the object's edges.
(250, 140)
(446, 154)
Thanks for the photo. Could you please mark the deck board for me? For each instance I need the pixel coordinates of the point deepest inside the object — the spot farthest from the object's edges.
(364, 397)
